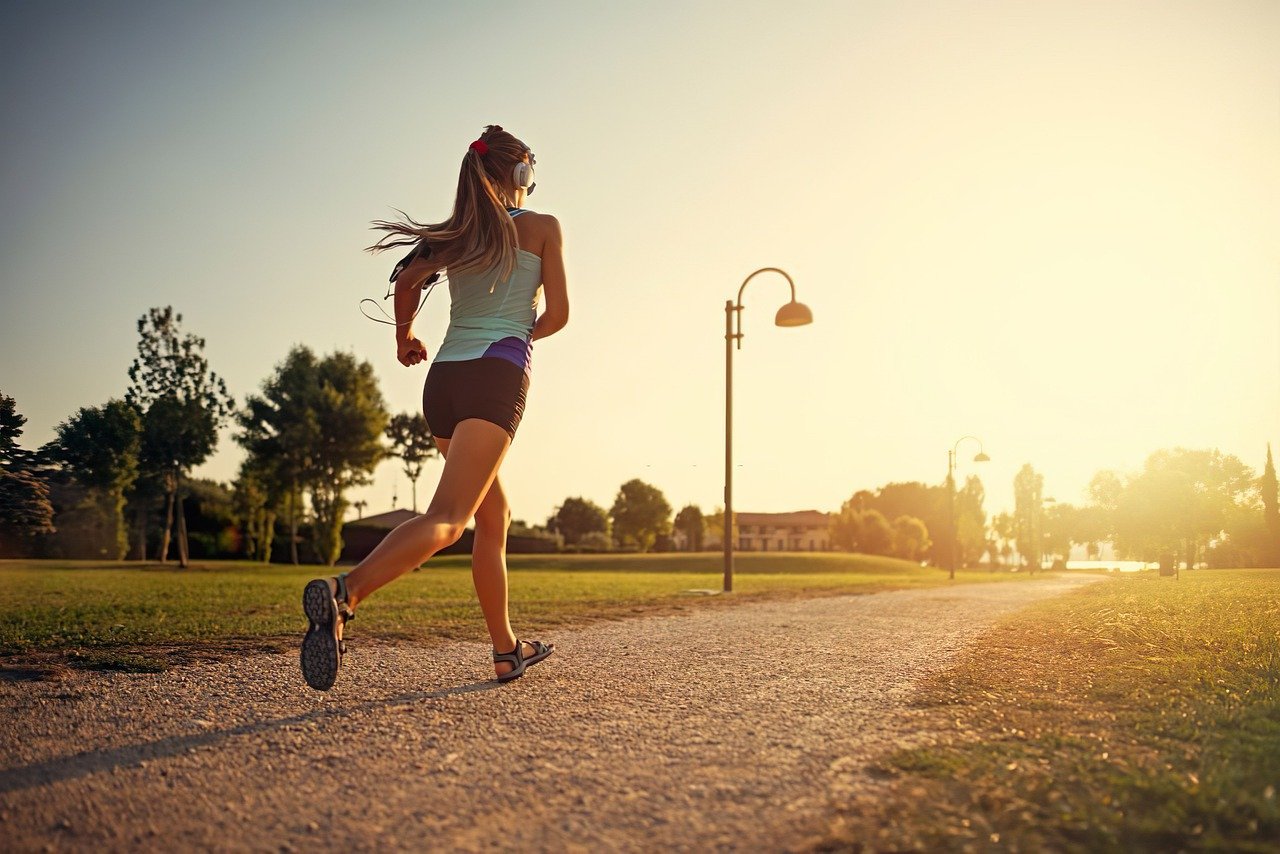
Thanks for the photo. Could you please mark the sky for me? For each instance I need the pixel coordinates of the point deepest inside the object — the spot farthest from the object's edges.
(1049, 225)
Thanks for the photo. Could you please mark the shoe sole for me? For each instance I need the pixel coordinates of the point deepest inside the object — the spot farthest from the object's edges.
(320, 657)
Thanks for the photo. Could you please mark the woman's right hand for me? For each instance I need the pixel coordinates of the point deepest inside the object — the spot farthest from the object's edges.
(410, 351)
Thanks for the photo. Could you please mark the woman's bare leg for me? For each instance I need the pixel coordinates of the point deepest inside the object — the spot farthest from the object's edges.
(476, 451)
(489, 566)
(489, 572)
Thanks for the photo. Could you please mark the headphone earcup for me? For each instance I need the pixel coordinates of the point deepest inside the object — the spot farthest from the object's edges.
(522, 175)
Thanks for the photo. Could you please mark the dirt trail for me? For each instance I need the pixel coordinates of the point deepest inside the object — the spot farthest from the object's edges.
(728, 728)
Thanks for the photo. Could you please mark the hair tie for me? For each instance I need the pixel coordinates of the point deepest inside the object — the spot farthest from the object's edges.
(480, 146)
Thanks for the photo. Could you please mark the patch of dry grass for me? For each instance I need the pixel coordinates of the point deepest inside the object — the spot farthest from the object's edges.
(1135, 714)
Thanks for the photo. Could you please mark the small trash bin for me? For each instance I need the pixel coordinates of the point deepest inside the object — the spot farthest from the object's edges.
(1167, 565)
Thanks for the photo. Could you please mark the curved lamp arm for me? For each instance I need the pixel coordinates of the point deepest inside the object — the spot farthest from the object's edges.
(766, 270)
(792, 314)
(956, 446)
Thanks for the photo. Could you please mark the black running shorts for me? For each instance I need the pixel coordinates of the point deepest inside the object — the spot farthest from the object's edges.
(489, 388)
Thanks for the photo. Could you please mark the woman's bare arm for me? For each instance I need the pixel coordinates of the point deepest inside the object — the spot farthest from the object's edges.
(554, 288)
(409, 350)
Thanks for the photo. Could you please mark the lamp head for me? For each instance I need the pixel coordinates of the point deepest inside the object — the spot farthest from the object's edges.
(981, 458)
(794, 314)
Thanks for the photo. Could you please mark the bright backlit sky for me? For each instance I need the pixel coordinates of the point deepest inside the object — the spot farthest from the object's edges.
(1052, 225)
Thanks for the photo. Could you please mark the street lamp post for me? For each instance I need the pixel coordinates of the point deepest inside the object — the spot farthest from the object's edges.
(951, 497)
(791, 314)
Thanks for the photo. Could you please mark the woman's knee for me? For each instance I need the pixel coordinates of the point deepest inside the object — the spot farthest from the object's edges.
(445, 528)
(493, 520)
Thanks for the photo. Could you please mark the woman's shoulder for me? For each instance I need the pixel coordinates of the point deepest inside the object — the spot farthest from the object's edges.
(543, 224)
(538, 218)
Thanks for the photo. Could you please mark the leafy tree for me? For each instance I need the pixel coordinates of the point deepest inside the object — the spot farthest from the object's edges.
(715, 525)
(875, 534)
(689, 522)
(183, 405)
(1061, 522)
(640, 514)
(11, 455)
(254, 514)
(25, 509)
(1028, 500)
(910, 538)
(1004, 533)
(1181, 501)
(316, 429)
(1270, 511)
(352, 417)
(413, 444)
(576, 518)
(971, 522)
(913, 498)
(99, 447)
(861, 528)
(280, 431)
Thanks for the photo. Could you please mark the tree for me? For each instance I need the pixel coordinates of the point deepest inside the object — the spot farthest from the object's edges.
(861, 528)
(1004, 532)
(1061, 522)
(99, 447)
(640, 513)
(714, 522)
(689, 522)
(11, 455)
(1028, 499)
(1177, 505)
(413, 444)
(875, 534)
(916, 499)
(25, 509)
(280, 431)
(352, 417)
(183, 405)
(253, 514)
(317, 429)
(910, 538)
(1270, 511)
(971, 522)
(576, 518)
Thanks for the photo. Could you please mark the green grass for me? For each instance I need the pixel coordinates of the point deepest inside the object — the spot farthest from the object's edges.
(1137, 714)
(138, 617)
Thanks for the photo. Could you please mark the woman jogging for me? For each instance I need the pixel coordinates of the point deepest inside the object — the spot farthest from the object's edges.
(500, 258)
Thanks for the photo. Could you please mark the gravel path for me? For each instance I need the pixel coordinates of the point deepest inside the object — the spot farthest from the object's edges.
(728, 728)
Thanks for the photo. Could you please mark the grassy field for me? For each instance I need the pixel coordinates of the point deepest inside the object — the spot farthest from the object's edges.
(112, 615)
(1140, 713)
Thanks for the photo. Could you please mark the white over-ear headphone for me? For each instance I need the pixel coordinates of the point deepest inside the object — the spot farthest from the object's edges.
(523, 175)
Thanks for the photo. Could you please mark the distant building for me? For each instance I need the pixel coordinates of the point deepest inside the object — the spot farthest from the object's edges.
(798, 531)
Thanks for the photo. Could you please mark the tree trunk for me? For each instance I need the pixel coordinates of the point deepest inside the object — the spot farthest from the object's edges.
(184, 557)
(140, 519)
(171, 492)
(119, 530)
(268, 535)
(293, 527)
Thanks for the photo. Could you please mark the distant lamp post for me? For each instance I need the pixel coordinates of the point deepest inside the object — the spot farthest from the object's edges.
(791, 314)
(951, 497)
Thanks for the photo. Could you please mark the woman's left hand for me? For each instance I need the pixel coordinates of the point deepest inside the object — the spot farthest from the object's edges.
(410, 351)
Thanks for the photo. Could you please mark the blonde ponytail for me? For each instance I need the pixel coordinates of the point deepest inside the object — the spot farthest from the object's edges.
(480, 234)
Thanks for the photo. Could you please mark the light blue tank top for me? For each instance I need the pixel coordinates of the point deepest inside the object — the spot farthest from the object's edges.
(490, 317)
